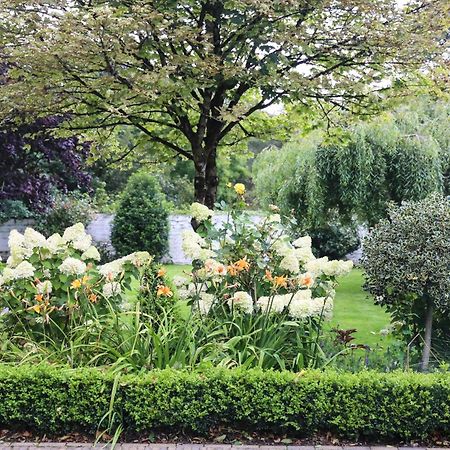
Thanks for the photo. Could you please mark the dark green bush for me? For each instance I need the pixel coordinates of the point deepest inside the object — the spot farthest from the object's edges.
(367, 405)
(334, 240)
(140, 223)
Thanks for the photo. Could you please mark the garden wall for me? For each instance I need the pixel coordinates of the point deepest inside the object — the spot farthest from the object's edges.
(100, 229)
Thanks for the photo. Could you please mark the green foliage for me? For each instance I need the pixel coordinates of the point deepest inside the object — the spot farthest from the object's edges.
(399, 156)
(66, 210)
(13, 209)
(141, 219)
(191, 96)
(407, 260)
(370, 405)
(334, 240)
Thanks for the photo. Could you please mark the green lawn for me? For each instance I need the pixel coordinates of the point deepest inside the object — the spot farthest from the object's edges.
(352, 308)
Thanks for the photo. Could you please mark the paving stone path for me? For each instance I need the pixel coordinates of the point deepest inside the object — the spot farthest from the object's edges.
(70, 446)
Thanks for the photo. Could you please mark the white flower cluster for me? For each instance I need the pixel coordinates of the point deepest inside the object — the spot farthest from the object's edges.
(241, 301)
(301, 304)
(324, 266)
(72, 266)
(112, 269)
(111, 289)
(194, 246)
(200, 212)
(45, 287)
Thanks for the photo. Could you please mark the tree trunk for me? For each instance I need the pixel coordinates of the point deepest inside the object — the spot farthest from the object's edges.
(206, 179)
(428, 329)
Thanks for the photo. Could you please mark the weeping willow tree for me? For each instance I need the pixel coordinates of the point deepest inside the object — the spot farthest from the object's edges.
(402, 155)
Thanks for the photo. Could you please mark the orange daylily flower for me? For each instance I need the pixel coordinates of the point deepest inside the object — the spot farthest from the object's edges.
(39, 297)
(242, 264)
(76, 284)
(164, 291)
(268, 275)
(92, 298)
(232, 270)
(161, 272)
(280, 281)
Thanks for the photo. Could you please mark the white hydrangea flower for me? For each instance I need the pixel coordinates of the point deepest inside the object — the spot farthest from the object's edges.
(24, 270)
(200, 212)
(74, 232)
(44, 287)
(290, 262)
(55, 243)
(15, 239)
(111, 289)
(33, 239)
(300, 309)
(72, 266)
(337, 268)
(242, 301)
(138, 258)
(82, 243)
(112, 269)
(322, 306)
(179, 281)
(316, 266)
(91, 253)
(273, 304)
(205, 302)
(17, 255)
(303, 242)
(7, 274)
(304, 254)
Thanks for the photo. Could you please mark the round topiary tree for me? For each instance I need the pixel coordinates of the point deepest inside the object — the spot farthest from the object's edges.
(140, 223)
(407, 264)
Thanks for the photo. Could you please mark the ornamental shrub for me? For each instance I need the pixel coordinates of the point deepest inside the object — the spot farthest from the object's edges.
(407, 263)
(50, 285)
(141, 221)
(261, 297)
(368, 406)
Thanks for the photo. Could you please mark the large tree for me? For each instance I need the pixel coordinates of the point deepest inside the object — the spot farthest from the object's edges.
(189, 75)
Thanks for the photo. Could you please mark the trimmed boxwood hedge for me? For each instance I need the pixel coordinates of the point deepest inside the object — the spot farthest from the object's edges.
(366, 405)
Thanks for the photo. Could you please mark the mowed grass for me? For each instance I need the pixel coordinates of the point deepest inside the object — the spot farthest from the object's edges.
(353, 308)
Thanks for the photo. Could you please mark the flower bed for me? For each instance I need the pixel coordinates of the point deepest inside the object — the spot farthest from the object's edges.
(368, 405)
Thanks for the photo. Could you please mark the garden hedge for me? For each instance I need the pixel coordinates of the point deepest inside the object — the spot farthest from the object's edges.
(368, 405)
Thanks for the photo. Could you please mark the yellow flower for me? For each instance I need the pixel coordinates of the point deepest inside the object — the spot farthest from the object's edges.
(84, 280)
(76, 284)
(239, 188)
(161, 272)
(164, 291)
(229, 185)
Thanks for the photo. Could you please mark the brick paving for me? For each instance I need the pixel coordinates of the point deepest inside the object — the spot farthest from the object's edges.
(82, 446)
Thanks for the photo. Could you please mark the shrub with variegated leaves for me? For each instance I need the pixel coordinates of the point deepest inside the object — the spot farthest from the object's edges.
(49, 284)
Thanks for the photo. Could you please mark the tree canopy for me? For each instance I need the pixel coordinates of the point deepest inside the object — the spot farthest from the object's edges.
(191, 75)
(402, 155)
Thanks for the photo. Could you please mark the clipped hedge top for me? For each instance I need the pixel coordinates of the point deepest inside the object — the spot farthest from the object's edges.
(369, 405)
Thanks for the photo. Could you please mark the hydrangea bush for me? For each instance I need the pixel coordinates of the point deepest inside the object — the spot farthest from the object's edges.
(271, 295)
(49, 284)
